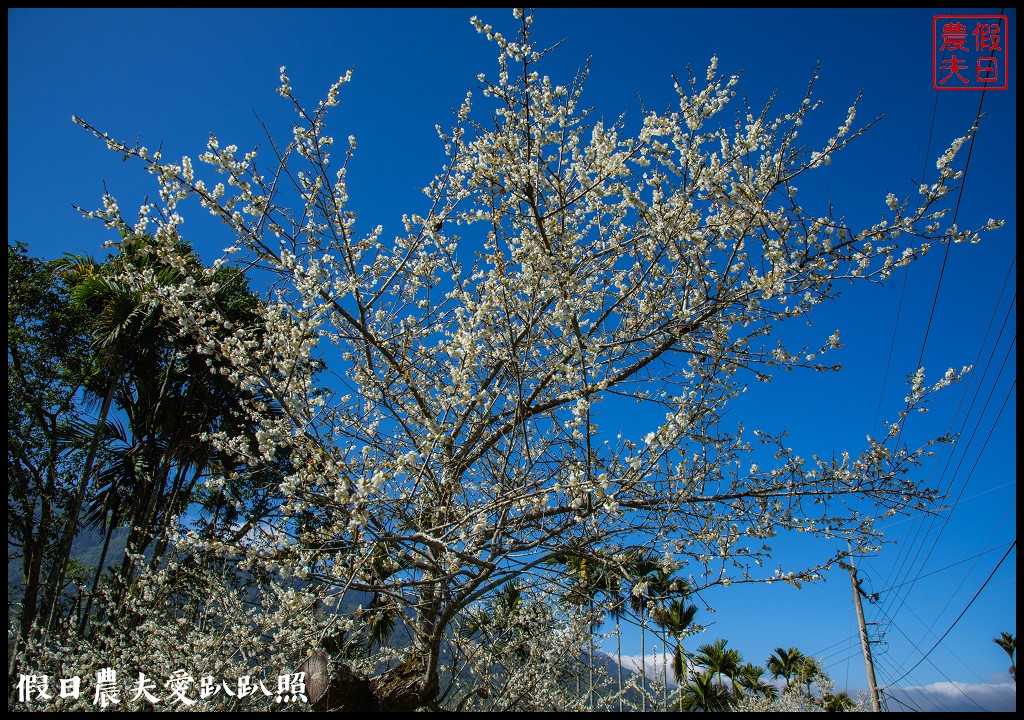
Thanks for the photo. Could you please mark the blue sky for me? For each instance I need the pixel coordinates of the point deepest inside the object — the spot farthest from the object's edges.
(174, 76)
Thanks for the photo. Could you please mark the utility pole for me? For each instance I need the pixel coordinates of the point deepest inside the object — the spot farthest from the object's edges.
(864, 642)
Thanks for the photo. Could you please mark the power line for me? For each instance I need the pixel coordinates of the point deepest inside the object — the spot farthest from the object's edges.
(893, 624)
(983, 585)
(970, 473)
(922, 690)
(956, 211)
(937, 701)
(906, 553)
(906, 274)
(947, 567)
(966, 480)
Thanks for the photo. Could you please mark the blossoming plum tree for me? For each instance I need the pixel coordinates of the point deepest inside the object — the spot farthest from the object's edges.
(558, 263)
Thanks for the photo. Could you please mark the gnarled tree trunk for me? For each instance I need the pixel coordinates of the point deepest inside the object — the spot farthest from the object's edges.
(404, 688)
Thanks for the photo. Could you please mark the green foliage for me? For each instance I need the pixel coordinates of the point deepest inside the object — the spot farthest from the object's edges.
(725, 682)
(81, 335)
(838, 702)
(785, 664)
(719, 661)
(676, 617)
(48, 364)
(1008, 643)
(702, 693)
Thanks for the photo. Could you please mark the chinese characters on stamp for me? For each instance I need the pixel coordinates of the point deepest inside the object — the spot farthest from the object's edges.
(970, 52)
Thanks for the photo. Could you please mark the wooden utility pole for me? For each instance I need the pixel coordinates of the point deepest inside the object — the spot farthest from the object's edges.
(864, 642)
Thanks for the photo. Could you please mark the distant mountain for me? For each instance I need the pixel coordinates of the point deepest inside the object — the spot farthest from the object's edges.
(85, 549)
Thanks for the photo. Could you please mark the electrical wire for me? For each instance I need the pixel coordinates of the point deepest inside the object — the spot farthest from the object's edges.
(958, 617)
(947, 567)
(981, 452)
(949, 513)
(901, 563)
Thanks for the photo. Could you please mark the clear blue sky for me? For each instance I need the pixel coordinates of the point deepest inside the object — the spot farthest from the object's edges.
(174, 76)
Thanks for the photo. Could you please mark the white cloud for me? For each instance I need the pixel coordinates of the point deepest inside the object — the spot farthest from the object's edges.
(954, 697)
(633, 662)
(653, 662)
(935, 697)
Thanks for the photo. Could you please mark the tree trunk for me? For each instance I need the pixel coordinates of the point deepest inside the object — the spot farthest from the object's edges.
(618, 652)
(405, 688)
(664, 663)
(590, 621)
(54, 581)
(643, 667)
(111, 526)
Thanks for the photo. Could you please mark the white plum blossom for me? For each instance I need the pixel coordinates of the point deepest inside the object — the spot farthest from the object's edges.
(445, 397)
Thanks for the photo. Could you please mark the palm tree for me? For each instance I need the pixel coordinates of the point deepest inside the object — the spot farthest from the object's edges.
(661, 587)
(701, 693)
(750, 677)
(638, 604)
(676, 618)
(809, 671)
(1008, 643)
(838, 702)
(786, 664)
(119, 322)
(654, 588)
(168, 392)
(104, 513)
(719, 661)
(615, 607)
(591, 577)
(645, 589)
(384, 613)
